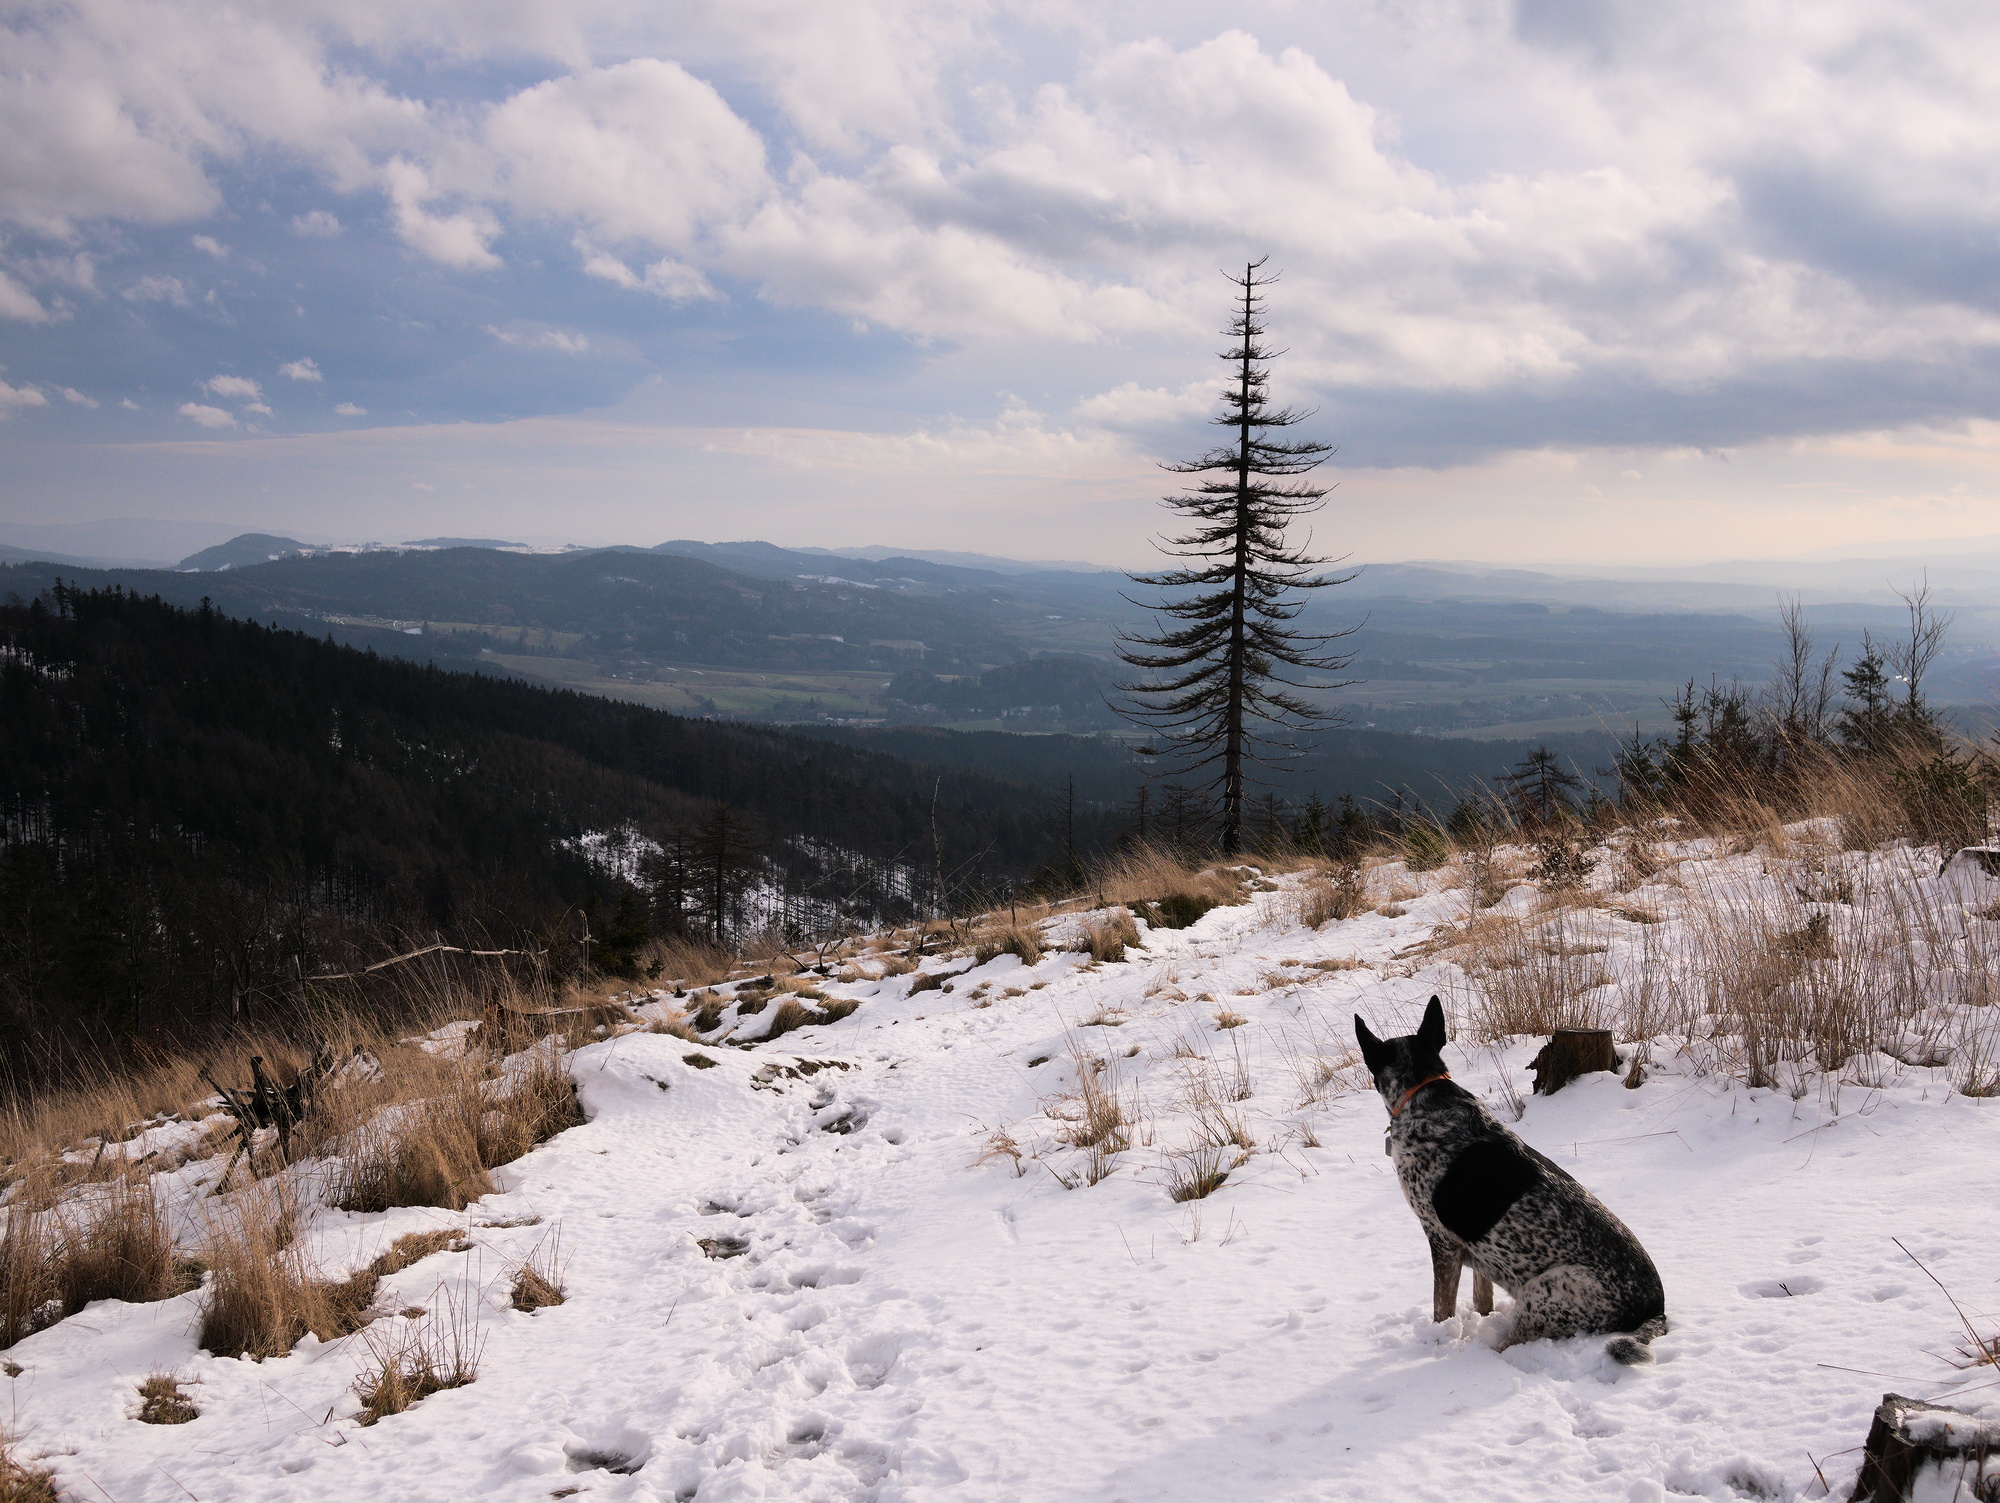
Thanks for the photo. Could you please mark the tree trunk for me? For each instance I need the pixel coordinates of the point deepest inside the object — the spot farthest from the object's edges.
(1570, 1053)
(1909, 1435)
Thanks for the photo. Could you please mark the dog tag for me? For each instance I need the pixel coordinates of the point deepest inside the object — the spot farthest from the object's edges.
(1387, 1151)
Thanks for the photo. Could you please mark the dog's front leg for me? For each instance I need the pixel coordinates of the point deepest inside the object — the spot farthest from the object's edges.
(1482, 1293)
(1447, 1262)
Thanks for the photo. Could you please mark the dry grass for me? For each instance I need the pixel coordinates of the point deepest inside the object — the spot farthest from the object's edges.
(263, 1295)
(20, 1483)
(538, 1282)
(791, 1014)
(416, 1358)
(1324, 896)
(162, 1401)
(113, 1244)
(1530, 978)
(426, 1154)
(1196, 1173)
(1008, 939)
(1106, 939)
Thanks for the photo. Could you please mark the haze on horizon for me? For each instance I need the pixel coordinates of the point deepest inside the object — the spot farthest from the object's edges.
(1565, 281)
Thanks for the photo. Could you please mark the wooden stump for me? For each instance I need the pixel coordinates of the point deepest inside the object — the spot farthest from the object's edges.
(1570, 1053)
(1909, 1435)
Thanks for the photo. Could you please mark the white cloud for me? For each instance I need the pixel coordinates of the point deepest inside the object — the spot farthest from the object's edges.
(348, 409)
(665, 278)
(234, 387)
(301, 370)
(129, 405)
(208, 417)
(259, 408)
(156, 287)
(315, 224)
(458, 239)
(209, 245)
(642, 151)
(70, 393)
(563, 341)
(17, 301)
(19, 396)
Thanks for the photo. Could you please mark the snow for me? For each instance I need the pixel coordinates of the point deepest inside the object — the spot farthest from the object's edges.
(893, 1306)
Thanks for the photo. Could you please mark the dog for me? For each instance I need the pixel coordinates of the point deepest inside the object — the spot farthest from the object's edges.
(1488, 1199)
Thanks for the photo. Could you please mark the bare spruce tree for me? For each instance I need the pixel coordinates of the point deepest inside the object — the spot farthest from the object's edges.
(1216, 687)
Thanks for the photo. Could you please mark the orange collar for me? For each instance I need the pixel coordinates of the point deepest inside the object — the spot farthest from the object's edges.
(1397, 1110)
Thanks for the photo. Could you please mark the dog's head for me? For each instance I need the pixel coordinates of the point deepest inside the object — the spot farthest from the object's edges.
(1398, 1064)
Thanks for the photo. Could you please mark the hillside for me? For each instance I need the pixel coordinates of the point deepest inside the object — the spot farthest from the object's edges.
(936, 1248)
(191, 800)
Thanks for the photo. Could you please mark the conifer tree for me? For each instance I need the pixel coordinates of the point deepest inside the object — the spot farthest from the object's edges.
(1215, 683)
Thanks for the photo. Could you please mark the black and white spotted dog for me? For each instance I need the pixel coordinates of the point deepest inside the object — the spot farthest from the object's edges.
(1488, 1199)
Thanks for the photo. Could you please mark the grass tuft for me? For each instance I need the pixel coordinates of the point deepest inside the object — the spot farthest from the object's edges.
(162, 1401)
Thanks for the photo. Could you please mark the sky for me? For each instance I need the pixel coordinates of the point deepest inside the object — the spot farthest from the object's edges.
(1563, 281)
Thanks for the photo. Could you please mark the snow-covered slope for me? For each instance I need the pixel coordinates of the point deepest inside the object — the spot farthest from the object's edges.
(863, 1263)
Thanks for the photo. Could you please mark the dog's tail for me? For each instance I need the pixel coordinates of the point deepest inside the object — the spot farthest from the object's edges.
(1633, 1351)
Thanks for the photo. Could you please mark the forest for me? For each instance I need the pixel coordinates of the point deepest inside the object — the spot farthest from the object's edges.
(192, 803)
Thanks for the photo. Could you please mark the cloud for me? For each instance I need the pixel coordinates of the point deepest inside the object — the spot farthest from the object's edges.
(665, 278)
(157, 287)
(458, 239)
(209, 245)
(348, 409)
(70, 393)
(19, 396)
(642, 152)
(301, 370)
(563, 341)
(1501, 225)
(208, 417)
(259, 408)
(235, 387)
(17, 301)
(129, 405)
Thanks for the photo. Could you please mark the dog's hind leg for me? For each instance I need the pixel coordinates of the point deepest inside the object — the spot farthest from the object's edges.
(1447, 1262)
(1482, 1293)
(1558, 1302)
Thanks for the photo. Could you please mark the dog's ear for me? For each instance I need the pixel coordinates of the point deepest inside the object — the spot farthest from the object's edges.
(1373, 1050)
(1431, 1034)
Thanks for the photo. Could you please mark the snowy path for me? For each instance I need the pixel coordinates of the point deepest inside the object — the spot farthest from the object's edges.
(891, 1319)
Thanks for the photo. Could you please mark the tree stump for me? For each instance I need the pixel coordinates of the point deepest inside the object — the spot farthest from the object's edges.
(1909, 1435)
(1570, 1053)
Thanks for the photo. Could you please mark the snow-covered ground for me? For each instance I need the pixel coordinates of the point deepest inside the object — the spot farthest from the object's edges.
(862, 1263)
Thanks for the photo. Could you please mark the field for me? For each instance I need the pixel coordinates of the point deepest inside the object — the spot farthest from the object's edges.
(713, 691)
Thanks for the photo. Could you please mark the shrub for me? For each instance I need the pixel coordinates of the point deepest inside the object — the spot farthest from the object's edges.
(1339, 894)
(1425, 848)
